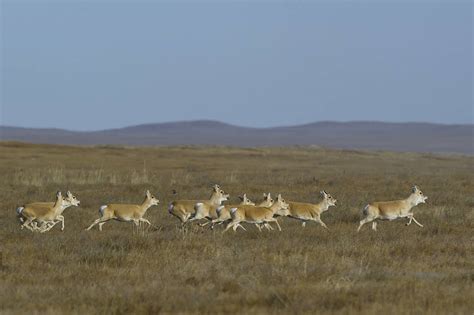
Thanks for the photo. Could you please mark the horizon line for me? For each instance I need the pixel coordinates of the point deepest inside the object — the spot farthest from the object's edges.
(243, 126)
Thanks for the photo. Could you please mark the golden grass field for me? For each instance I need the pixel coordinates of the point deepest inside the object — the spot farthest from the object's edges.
(396, 270)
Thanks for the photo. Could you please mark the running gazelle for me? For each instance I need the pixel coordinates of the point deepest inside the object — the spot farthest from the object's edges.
(184, 209)
(258, 215)
(391, 210)
(40, 213)
(223, 212)
(208, 209)
(125, 212)
(42, 210)
(311, 212)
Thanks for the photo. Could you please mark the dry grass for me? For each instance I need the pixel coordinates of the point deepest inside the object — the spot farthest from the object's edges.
(398, 270)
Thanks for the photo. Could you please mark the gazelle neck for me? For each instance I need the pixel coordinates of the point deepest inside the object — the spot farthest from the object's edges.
(145, 204)
(411, 201)
(324, 205)
(275, 206)
(215, 198)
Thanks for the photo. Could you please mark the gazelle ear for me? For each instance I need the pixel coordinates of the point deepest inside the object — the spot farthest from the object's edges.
(242, 198)
(415, 188)
(264, 195)
(148, 193)
(68, 193)
(279, 197)
(58, 194)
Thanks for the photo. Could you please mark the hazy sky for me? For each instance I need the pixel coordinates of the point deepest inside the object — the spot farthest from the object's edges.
(101, 64)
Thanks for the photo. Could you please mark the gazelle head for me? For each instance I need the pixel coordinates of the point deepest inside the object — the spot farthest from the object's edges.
(417, 195)
(328, 198)
(216, 188)
(282, 206)
(246, 201)
(150, 199)
(72, 199)
(268, 198)
(223, 196)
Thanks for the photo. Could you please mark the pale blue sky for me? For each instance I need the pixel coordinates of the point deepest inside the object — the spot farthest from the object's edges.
(96, 65)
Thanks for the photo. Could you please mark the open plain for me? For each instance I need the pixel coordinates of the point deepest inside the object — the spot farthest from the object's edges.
(396, 270)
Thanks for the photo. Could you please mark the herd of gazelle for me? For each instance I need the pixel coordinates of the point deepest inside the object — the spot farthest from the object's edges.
(43, 216)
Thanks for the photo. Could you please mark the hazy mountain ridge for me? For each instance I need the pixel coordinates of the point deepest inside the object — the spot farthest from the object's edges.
(418, 137)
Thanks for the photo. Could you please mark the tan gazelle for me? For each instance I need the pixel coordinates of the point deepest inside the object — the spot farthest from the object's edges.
(126, 212)
(208, 209)
(41, 213)
(223, 212)
(311, 212)
(257, 215)
(184, 209)
(69, 201)
(391, 210)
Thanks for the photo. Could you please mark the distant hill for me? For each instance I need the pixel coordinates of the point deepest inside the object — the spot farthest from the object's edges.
(416, 137)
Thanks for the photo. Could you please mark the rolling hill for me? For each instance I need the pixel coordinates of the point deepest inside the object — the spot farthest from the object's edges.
(416, 137)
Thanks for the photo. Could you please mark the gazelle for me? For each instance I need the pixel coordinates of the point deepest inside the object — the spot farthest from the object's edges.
(391, 210)
(257, 215)
(223, 212)
(69, 201)
(184, 209)
(42, 213)
(208, 209)
(311, 212)
(125, 212)
(266, 202)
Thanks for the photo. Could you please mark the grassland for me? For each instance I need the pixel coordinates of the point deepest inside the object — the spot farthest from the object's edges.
(397, 270)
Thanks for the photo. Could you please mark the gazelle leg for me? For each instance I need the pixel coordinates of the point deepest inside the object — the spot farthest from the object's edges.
(276, 221)
(303, 224)
(259, 227)
(215, 222)
(100, 225)
(321, 222)
(241, 227)
(410, 218)
(362, 222)
(45, 227)
(145, 221)
(374, 225)
(102, 222)
(61, 218)
(192, 219)
(418, 223)
(27, 224)
(231, 224)
(186, 216)
(268, 226)
(34, 225)
(93, 223)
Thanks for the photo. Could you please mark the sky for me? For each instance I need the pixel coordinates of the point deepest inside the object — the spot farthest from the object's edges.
(91, 65)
